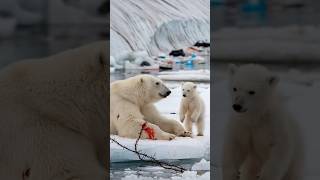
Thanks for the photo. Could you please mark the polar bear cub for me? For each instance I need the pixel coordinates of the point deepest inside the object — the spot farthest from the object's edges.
(262, 141)
(192, 108)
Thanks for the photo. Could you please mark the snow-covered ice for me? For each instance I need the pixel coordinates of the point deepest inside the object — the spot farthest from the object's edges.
(183, 75)
(179, 148)
(203, 165)
(187, 175)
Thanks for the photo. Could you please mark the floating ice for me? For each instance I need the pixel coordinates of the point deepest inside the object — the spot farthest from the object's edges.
(203, 165)
(179, 148)
(187, 175)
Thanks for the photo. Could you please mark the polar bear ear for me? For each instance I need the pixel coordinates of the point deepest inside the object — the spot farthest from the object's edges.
(273, 80)
(232, 69)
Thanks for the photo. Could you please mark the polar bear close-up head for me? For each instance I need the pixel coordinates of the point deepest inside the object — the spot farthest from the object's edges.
(141, 89)
(188, 89)
(252, 87)
(153, 88)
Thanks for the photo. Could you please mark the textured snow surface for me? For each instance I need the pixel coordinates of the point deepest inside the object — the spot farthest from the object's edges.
(150, 25)
(203, 165)
(187, 175)
(179, 148)
(182, 75)
(268, 43)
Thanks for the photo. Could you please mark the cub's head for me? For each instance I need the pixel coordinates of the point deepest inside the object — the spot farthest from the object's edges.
(153, 88)
(252, 86)
(188, 89)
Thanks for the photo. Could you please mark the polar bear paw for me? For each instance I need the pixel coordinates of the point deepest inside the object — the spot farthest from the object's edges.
(166, 136)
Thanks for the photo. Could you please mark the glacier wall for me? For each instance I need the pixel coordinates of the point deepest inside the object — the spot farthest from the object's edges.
(157, 25)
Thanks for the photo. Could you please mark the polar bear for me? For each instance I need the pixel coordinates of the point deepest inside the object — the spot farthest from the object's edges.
(262, 140)
(132, 109)
(53, 116)
(192, 108)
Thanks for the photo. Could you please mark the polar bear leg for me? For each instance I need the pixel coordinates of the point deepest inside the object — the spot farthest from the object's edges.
(200, 125)
(233, 158)
(250, 169)
(134, 126)
(188, 124)
(152, 115)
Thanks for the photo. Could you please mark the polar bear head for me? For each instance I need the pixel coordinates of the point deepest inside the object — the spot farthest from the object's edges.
(152, 88)
(252, 87)
(188, 89)
(141, 89)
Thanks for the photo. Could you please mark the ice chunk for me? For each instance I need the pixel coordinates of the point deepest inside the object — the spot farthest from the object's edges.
(203, 165)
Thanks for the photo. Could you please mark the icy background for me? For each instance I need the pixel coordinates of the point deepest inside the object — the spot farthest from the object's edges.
(157, 26)
(268, 44)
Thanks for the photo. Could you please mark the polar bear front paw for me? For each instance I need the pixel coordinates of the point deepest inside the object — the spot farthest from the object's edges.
(187, 134)
(166, 136)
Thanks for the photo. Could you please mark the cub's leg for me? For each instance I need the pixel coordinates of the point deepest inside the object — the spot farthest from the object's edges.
(200, 126)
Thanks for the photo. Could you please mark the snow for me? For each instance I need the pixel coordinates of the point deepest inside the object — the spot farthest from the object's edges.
(179, 148)
(202, 165)
(187, 175)
(182, 75)
(161, 24)
(275, 44)
(301, 95)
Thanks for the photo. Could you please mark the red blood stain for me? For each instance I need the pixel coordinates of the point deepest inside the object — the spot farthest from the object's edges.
(148, 130)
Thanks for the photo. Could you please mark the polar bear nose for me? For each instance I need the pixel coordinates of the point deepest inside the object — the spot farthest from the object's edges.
(168, 93)
(237, 107)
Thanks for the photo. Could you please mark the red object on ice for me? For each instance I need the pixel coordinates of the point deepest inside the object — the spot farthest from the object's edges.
(148, 130)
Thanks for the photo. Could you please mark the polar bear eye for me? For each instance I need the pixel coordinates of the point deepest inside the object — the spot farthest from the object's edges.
(188, 90)
(251, 92)
(235, 89)
(157, 83)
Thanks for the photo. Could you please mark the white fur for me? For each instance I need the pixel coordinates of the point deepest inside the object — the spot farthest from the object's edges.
(192, 108)
(262, 141)
(132, 104)
(53, 116)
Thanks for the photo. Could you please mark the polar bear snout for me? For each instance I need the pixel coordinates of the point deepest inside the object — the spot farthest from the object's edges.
(166, 94)
(238, 108)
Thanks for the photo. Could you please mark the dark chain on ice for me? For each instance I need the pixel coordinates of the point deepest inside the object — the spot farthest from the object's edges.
(151, 159)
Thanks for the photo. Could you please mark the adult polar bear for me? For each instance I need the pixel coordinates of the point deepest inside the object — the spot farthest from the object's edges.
(53, 116)
(132, 109)
(262, 140)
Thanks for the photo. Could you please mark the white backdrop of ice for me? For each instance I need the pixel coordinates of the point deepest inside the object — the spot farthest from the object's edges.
(179, 148)
(133, 24)
(302, 102)
(186, 75)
